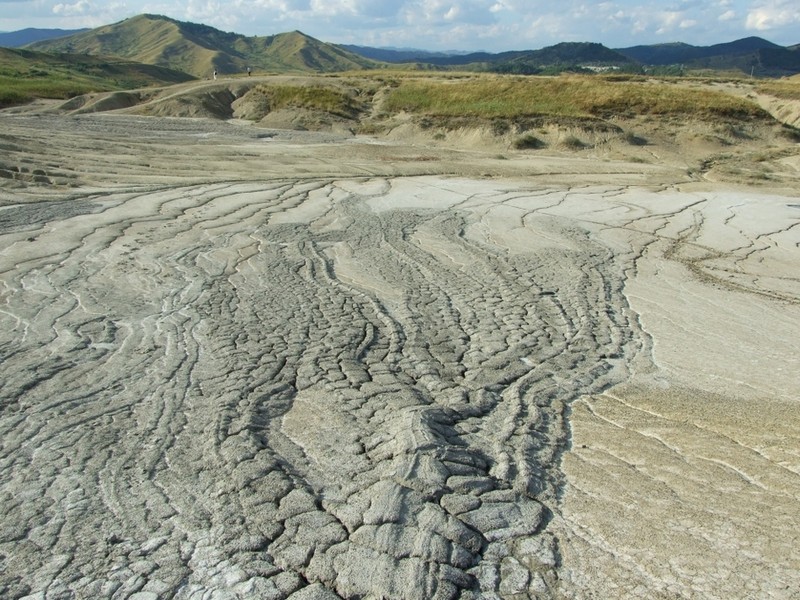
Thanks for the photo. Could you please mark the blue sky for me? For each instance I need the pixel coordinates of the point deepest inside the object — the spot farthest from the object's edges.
(493, 25)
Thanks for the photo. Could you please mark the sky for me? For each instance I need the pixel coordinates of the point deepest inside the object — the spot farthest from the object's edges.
(467, 25)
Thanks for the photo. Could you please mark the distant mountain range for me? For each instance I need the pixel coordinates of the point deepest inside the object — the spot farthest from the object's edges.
(565, 53)
(200, 50)
(752, 54)
(749, 55)
(23, 37)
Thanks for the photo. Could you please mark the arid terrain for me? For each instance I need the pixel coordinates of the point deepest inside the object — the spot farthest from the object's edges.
(275, 356)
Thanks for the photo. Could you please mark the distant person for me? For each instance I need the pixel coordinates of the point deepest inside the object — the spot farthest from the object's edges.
(248, 71)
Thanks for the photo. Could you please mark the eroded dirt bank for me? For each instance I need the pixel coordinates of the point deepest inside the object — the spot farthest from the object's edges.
(249, 363)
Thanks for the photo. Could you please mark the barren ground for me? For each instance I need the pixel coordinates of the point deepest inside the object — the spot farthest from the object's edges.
(244, 362)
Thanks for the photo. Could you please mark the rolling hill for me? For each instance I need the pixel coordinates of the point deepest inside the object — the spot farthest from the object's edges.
(670, 54)
(564, 56)
(200, 49)
(750, 55)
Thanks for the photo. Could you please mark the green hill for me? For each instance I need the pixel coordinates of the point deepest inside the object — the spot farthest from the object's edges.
(27, 74)
(200, 49)
(563, 56)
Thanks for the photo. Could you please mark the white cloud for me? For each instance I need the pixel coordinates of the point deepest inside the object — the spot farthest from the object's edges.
(82, 7)
(418, 13)
(667, 21)
(773, 15)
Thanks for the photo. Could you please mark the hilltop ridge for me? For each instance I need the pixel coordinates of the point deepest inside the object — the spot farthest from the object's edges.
(200, 49)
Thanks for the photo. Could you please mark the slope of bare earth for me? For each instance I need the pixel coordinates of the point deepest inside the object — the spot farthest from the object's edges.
(241, 362)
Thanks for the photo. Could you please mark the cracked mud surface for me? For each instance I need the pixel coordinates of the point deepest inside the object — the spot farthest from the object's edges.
(297, 366)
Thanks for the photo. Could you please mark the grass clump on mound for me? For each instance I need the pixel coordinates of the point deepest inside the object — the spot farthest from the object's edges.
(311, 97)
(569, 96)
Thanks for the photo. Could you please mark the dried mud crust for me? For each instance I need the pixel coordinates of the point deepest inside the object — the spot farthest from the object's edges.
(257, 387)
(251, 363)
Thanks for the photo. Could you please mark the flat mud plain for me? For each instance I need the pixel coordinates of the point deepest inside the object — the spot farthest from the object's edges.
(250, 363)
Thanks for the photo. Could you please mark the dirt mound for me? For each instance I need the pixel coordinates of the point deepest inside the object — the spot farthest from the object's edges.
(783, 109)
(195, 99)
(235, 99)
(743, 150)
(300, 119)
(208, 103)
(640, 139)
(105, 101)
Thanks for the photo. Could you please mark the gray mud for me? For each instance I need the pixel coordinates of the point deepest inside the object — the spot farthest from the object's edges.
(212, 403)
(217, 382)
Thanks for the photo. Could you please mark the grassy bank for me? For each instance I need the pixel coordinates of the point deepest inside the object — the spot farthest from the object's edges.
(508, 97)
(25, 75)
(788, 89)
(15, 89)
